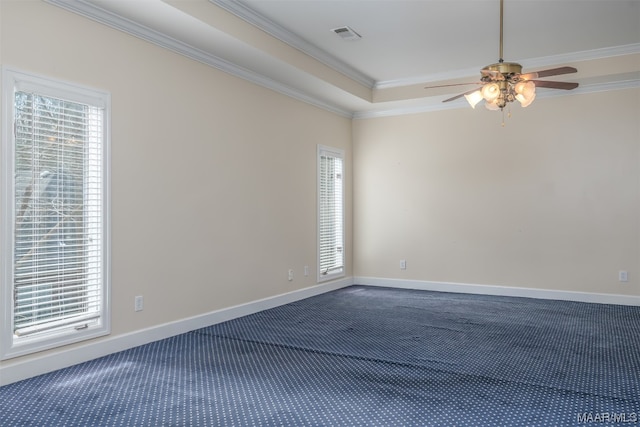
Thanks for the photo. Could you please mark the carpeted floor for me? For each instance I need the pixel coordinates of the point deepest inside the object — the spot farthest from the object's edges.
(362, 356)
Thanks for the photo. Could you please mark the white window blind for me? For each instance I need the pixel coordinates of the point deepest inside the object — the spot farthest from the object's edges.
(58, 281)
(330, 213)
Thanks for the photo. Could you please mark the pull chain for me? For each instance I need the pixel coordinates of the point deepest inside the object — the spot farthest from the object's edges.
(508, 113)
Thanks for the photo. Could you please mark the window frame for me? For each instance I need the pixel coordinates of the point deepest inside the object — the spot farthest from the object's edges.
(14, 80)
(337, 153)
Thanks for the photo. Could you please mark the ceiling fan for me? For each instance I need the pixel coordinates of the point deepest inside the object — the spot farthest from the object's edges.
(504, 82)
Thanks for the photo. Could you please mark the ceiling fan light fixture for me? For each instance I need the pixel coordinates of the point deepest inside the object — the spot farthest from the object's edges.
(504, 83)
(473, 98)
(525, 92)
(524, 101)
(492, 106)
(490, 91)
(525, 88)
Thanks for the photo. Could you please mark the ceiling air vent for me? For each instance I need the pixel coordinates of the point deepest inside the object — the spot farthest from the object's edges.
(347, 33)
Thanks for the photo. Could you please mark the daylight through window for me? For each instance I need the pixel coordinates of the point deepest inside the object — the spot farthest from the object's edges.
(58, 278)
(330, 213)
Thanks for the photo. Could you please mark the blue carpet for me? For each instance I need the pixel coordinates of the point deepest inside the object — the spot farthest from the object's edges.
(362, 356)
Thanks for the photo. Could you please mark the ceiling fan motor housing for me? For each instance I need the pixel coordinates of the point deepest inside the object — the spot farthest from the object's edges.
(504, 75)
(503, 82)
(506, 69)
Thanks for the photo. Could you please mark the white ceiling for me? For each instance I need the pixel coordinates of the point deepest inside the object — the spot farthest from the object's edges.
(288, 45)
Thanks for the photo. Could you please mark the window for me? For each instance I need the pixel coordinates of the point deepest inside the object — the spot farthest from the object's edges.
(330, 213)
(54, 205)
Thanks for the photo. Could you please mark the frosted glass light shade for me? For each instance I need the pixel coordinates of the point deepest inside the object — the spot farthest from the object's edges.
(493, 106)
(525, 92)
(525, 88)
(473, 98)
(490, 91)
(525, 102)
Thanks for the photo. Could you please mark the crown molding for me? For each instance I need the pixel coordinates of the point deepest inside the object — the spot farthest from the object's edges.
(293, 40)
(585, 55)
(91, 11)
(632, 83)
(552, 60)
(120, 23)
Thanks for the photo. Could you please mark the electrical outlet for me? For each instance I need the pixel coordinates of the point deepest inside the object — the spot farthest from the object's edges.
(306, 270)
(623, 276)
(290, 274)
(138, 303)
(403, 264)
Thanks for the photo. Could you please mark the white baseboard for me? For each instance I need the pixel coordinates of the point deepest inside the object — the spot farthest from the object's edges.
(500, 290)
(55, 360)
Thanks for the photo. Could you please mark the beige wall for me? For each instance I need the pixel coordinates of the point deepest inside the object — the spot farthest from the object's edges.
(213, 178)
(550, 201)
(213, 181)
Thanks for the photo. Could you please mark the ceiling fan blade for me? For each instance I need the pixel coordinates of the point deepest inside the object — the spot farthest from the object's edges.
(459, 96)
(548, 73)
(555, 85)
(453, 84)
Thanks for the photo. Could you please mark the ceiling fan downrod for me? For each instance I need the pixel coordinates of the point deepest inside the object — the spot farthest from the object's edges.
(503, 82)
(501, 30)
